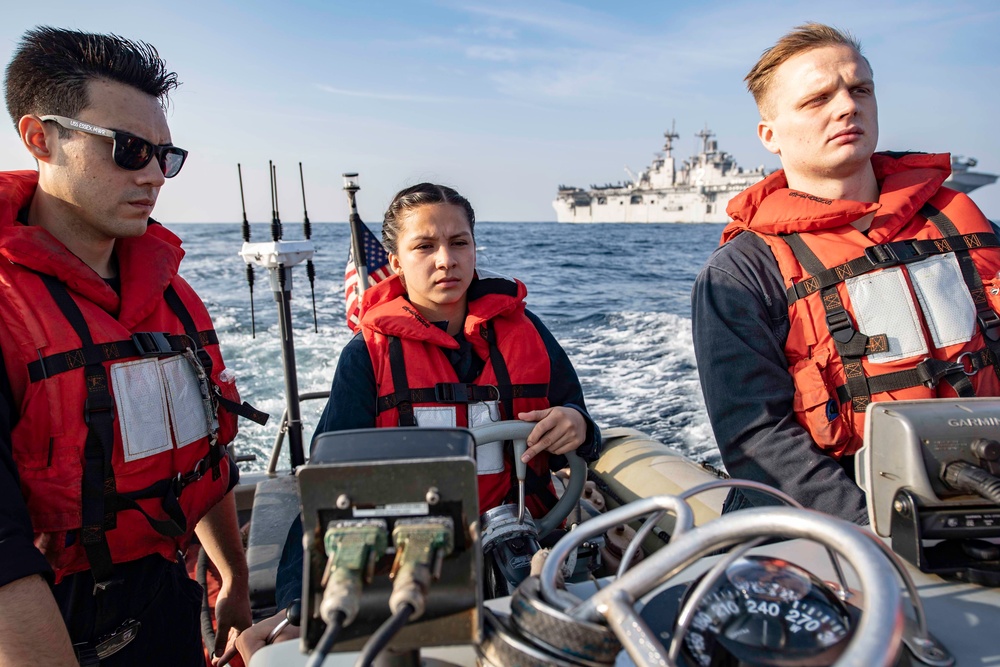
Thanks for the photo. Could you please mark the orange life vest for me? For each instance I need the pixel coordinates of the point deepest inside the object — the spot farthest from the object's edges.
(92, 503)
(907, 311)
(417, 385)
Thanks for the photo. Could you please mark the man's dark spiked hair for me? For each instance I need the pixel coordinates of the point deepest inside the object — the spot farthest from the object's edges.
(52, 66)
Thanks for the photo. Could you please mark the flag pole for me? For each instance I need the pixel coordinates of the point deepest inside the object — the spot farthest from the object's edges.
(357, 245)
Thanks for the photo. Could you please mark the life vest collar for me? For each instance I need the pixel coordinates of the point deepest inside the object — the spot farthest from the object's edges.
(906, 183)
(387, 310)
(36, 249)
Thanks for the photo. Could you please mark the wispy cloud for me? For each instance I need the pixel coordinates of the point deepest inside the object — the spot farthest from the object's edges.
(392, 97)
(554, 18)
(492, 53)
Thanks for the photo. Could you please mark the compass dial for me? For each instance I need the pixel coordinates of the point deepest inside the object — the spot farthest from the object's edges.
(766, 611)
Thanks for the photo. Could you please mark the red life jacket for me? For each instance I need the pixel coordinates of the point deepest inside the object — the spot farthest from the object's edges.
(417, 385)
(89, 506)
(907, 311)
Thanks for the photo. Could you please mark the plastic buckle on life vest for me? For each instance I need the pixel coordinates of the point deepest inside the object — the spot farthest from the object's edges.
(891, 254)
(151, 343)
(841, 327)
(95, 404)
(989, 324)
(451, 392)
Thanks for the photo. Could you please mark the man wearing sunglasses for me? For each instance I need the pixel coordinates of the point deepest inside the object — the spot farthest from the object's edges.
(105, 470)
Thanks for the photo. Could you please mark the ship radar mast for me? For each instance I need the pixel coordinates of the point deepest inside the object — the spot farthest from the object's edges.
(705, 135)
(670, 136)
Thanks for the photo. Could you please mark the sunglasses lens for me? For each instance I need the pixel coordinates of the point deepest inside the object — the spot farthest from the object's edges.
(171, 161)
(132, 153)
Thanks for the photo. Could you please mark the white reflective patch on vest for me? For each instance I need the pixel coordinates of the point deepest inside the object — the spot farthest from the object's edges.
(946, 302)
(442, 417)
(185, 400)
(489, 456)
(142, 408)
(481, 414)
(882, 304)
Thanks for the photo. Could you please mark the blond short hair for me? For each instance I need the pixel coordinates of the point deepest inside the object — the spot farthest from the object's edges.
(802, 38)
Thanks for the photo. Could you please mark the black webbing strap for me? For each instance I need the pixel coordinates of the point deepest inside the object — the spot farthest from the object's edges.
(168, 491)
(456, 392)
(851, 344)
(244, 409)
(141, 344)
(929, 373)
(986, 317)
(500, 371)
(397, 365)
(534, 484)
(173, 300)
(886, 255)
(99, 493)
(443, 392)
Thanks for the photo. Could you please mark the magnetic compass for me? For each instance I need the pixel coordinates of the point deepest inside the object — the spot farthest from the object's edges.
(767, 611)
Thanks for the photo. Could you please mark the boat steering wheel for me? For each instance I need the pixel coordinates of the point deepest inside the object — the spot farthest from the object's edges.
(518, 431)
(876, 638)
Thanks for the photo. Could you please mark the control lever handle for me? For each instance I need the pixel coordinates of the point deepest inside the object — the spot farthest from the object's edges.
(293, 616)
(521, 468)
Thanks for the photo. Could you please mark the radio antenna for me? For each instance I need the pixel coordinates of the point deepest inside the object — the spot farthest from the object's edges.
(246, 239)
(307, 231)
(275, 217)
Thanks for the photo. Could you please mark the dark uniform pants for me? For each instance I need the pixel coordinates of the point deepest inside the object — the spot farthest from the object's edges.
(158, 594)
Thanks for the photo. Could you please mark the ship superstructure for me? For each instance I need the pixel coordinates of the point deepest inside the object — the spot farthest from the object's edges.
(966, 181)
(696, 190)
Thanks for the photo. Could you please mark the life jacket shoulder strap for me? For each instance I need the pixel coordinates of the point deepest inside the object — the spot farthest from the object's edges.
(885, 255)
(99, 491)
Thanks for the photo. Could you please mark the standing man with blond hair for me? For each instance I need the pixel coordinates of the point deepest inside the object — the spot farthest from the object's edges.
(114, 399)
(846, 277)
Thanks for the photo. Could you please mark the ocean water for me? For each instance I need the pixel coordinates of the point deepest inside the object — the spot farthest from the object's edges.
(616, 296)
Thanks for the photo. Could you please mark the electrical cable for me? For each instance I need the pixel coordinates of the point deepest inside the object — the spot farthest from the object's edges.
(201, 576)
(381, 638)
(327, 641)
(963, 476)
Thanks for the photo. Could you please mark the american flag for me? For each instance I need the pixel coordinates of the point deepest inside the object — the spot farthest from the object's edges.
(377, 262)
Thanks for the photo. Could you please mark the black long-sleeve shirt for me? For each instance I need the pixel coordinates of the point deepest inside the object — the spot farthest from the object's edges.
(18, 556)
(740, 325)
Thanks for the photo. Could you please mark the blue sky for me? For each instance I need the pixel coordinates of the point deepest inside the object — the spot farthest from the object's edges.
(507, 100)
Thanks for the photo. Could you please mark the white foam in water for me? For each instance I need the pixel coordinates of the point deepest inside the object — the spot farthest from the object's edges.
(638, 370)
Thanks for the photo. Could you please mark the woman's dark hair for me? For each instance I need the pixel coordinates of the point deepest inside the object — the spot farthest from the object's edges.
(418, 195)
(52, 66)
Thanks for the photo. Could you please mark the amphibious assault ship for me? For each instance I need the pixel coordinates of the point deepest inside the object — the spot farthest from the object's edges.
(966, 181)
(696, 190)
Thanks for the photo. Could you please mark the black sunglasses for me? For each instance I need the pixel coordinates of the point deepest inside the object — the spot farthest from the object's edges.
(130, 152)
